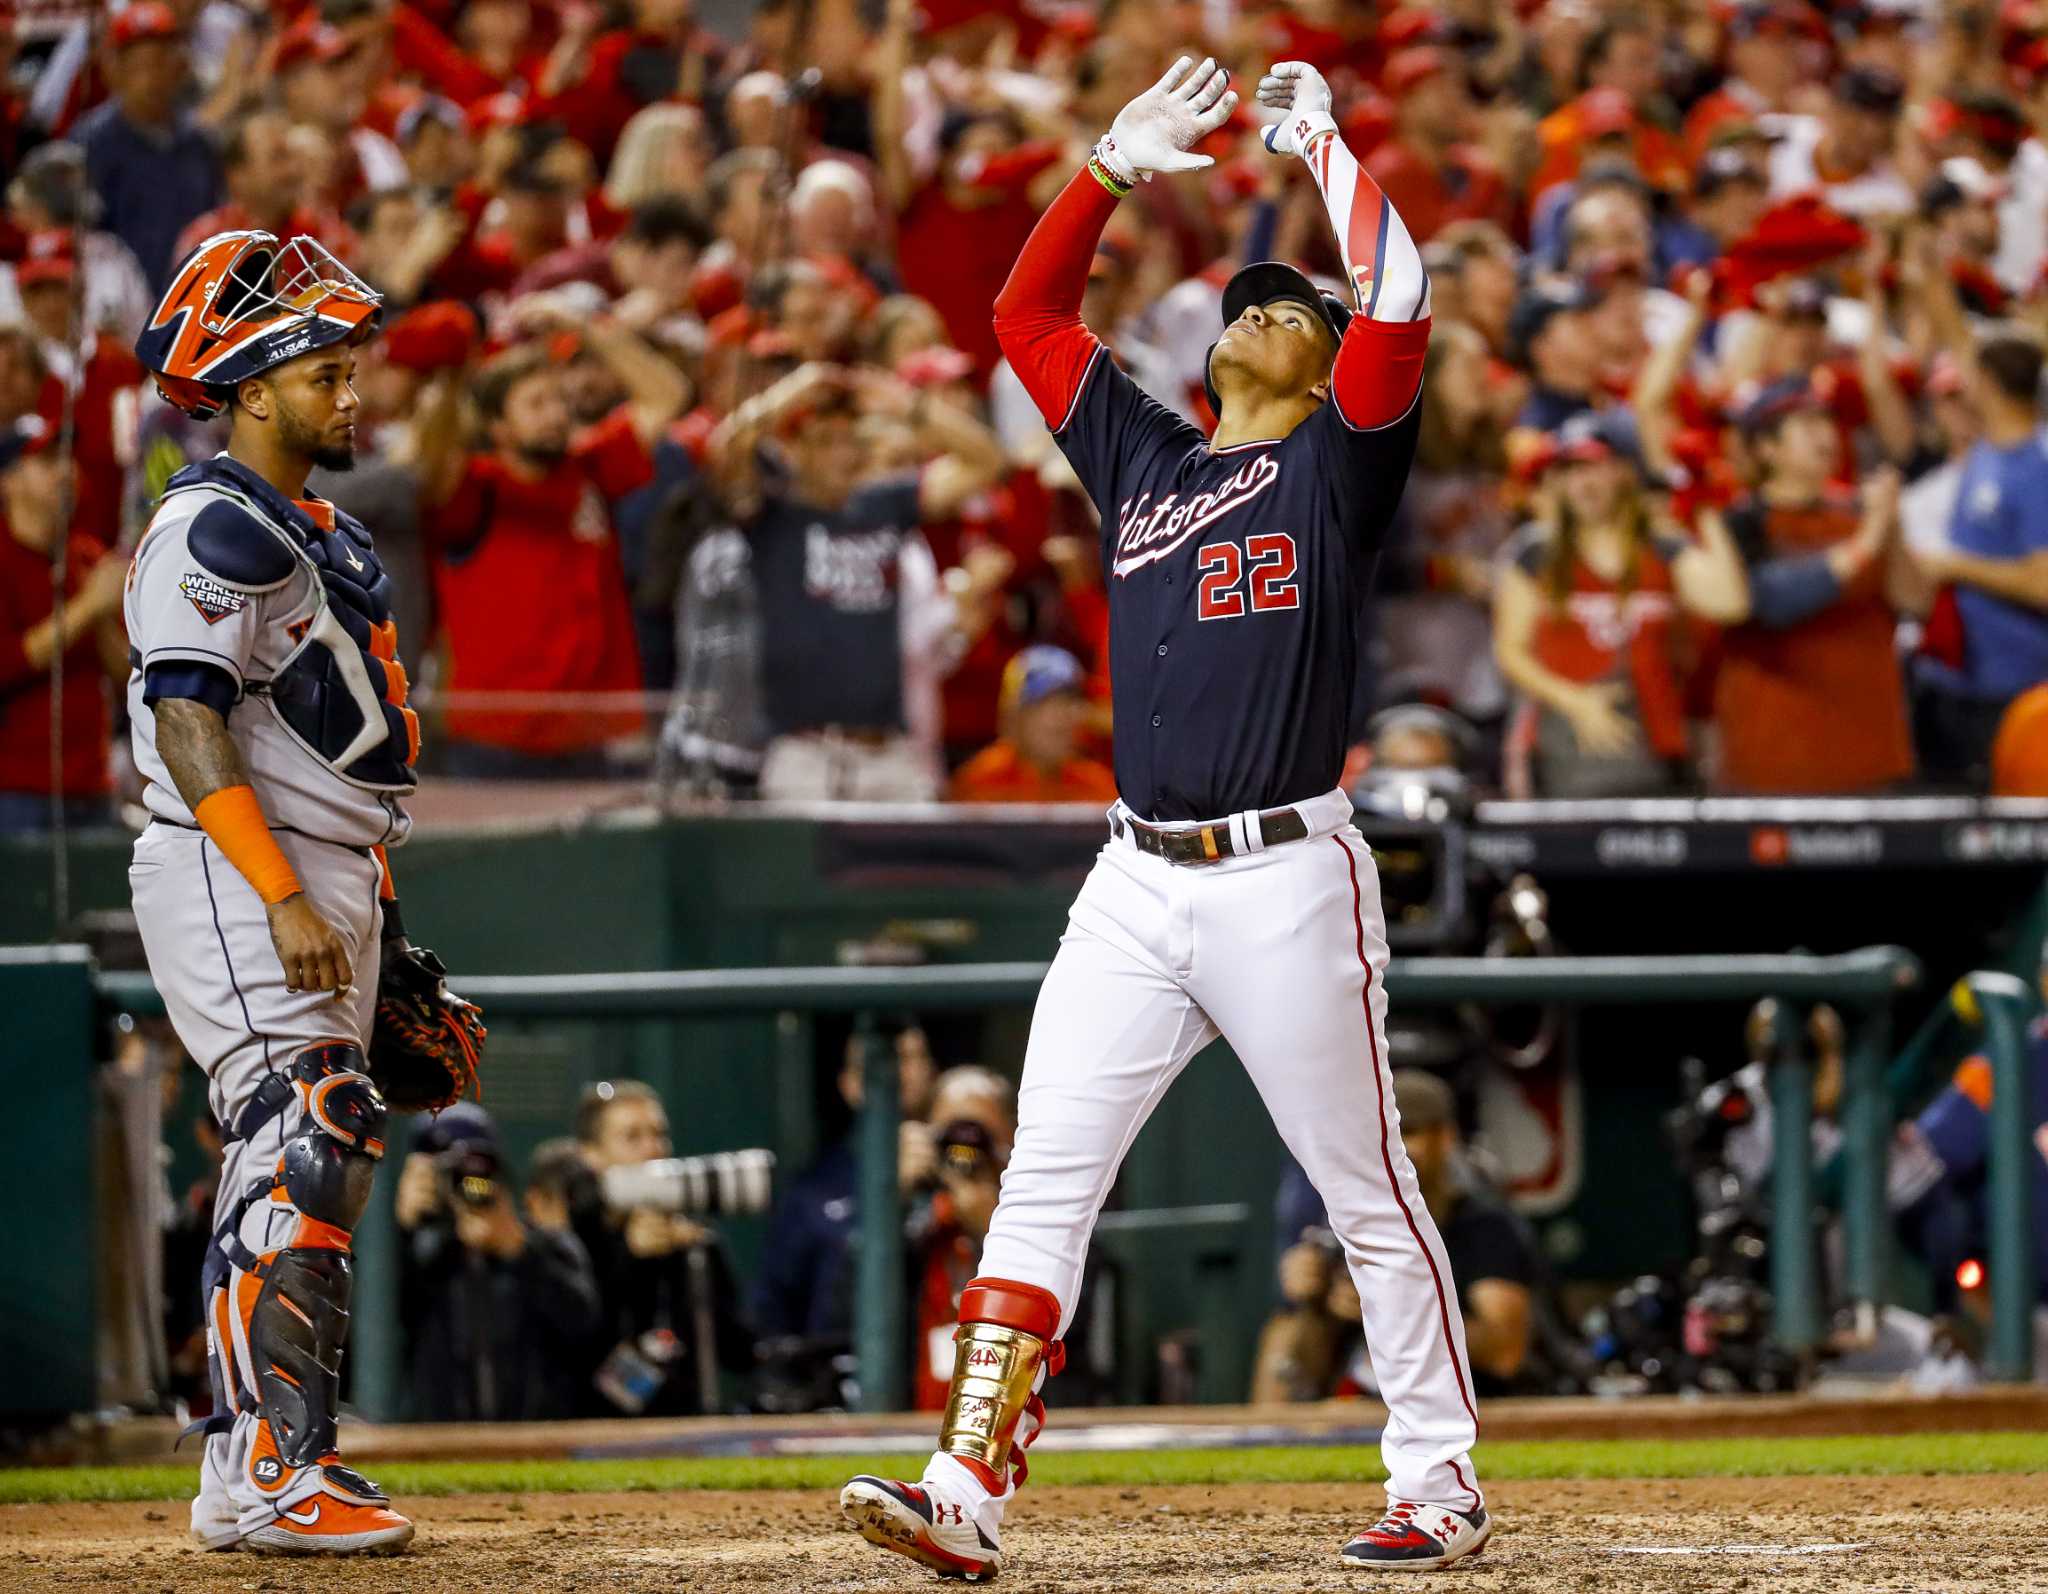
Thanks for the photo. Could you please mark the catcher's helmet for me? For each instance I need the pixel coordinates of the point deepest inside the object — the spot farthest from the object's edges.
(242, 303)
(1261, 283)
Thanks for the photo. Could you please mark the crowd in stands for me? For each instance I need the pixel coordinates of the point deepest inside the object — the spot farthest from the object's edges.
(691, 447)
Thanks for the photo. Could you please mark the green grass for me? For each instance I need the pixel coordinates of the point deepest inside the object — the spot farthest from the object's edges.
(1881, 1456)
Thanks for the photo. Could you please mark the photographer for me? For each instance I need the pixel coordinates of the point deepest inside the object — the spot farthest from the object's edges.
(671, 1316)
(497, 1311)
(1306, 1351)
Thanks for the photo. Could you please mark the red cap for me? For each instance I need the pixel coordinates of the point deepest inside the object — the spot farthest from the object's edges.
(432, 337)
(143, 19)
(47, 259)
(311, 40)
(1606, 110)
(1408, 68)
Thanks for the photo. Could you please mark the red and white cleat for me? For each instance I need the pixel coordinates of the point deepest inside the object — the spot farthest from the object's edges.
(909, 1519)
(1413, 1537)
(349, 1516)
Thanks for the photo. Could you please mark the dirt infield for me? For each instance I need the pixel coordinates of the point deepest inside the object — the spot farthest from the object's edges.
(1795, 1536)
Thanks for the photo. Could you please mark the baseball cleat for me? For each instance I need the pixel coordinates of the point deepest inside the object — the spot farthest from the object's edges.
(1413, 1537)
(349, 1516)
(909, 1519)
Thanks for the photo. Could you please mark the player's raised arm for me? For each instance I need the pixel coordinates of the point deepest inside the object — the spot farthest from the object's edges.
(1379, 365)
(1038, 313)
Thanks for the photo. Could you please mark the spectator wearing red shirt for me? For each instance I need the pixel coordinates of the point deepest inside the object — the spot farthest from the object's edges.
(664, 55)
(1770, 50)
(1427, 170)
(32, 494)
(1623, 96)
(264, 182)
(96, 376)
(528, 581)
(1587, 623)
(1809, 697)
(1038, 758)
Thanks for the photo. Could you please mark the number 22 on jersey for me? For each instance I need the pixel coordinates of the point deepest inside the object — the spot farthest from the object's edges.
(1269, 557)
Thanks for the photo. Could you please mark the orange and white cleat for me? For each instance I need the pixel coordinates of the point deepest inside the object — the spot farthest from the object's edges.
(347, 1515)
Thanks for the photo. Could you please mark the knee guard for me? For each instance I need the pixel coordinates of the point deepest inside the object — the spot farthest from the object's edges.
(1004, 1340)
(326, 1167)
(299, 1323)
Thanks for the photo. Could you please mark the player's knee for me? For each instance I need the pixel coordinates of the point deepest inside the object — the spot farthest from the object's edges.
(329, 1161)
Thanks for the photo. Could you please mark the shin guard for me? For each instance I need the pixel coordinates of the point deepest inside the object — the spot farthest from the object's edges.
(1005, 1342)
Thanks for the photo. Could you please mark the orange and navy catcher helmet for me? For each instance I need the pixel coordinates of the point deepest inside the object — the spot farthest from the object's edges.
(242, 303)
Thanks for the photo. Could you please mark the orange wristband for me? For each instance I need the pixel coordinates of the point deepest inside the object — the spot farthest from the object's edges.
(237, 826)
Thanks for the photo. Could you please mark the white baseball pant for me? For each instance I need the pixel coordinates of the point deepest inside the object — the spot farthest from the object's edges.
(1283, 953)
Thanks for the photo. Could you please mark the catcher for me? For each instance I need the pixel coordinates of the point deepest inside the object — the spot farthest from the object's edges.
(271, 727)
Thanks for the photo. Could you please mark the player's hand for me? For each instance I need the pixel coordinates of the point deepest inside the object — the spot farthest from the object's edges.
(314, 956)
(1156, 130)
(1299, 89)
(1597, 722)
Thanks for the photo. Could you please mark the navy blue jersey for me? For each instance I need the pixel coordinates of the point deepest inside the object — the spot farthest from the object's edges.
(1237, 577)
(1236, 580)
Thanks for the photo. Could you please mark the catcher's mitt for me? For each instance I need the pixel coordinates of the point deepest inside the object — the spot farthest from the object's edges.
(426, 1041)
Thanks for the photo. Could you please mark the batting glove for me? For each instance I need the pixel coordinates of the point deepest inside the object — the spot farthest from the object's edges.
(1298, 89)
(1156, 130)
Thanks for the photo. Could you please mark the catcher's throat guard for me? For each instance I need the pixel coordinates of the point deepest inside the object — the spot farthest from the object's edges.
(1004, 1340)
(243, 302)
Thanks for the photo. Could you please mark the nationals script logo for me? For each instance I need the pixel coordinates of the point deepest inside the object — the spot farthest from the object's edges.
(1147, 532)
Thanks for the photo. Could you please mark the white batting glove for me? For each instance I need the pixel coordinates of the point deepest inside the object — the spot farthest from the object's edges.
(1156, 130)
(1298, 89)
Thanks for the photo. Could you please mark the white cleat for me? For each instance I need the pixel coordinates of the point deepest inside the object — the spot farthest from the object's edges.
(1413, 1537)
(909, 1519)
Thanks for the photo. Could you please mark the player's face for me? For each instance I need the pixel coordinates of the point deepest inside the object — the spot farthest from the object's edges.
(314, 405)
(1280, 348)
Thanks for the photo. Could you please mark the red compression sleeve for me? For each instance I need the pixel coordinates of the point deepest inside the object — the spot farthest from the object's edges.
(1038, 313)
(1378, 371)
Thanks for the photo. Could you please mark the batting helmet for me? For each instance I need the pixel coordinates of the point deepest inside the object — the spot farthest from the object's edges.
(242, 303)
(1261, 283)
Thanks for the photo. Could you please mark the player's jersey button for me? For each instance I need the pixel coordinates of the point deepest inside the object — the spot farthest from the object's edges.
(1162, 650)
(1155, 720)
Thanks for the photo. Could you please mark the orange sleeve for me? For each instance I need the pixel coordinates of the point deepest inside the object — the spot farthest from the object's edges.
(386, 890)
(234, 822)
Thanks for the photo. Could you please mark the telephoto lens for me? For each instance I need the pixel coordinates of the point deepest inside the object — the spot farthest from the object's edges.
(725, 1183)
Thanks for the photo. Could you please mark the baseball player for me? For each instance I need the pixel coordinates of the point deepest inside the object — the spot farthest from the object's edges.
(271, 726)
(1233, 897)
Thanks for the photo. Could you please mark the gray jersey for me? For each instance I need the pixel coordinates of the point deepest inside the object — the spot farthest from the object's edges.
(218, 581)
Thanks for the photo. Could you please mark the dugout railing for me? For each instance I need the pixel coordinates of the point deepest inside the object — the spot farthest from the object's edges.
(66, 999)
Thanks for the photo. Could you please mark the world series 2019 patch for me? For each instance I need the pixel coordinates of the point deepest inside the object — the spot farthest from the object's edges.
(213, 601)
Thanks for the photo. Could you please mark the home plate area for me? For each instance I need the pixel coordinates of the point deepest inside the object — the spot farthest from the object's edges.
(1757, 1536)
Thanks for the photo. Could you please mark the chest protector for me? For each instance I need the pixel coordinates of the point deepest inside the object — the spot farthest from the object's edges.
(340, 692)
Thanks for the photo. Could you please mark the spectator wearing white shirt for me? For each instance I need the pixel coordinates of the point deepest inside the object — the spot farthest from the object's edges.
(1843, 155)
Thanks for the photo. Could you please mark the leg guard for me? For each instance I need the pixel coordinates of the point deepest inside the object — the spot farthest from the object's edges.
(1005, 1341)
(298, 1322)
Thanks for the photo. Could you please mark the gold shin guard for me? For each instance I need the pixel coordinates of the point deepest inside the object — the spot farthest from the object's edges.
(1005, 1337)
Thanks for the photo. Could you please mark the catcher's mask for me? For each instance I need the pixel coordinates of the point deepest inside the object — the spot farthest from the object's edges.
(1263, 282)
(242, 303)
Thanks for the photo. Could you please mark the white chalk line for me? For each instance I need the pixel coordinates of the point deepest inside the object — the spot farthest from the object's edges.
(1729, 1549)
